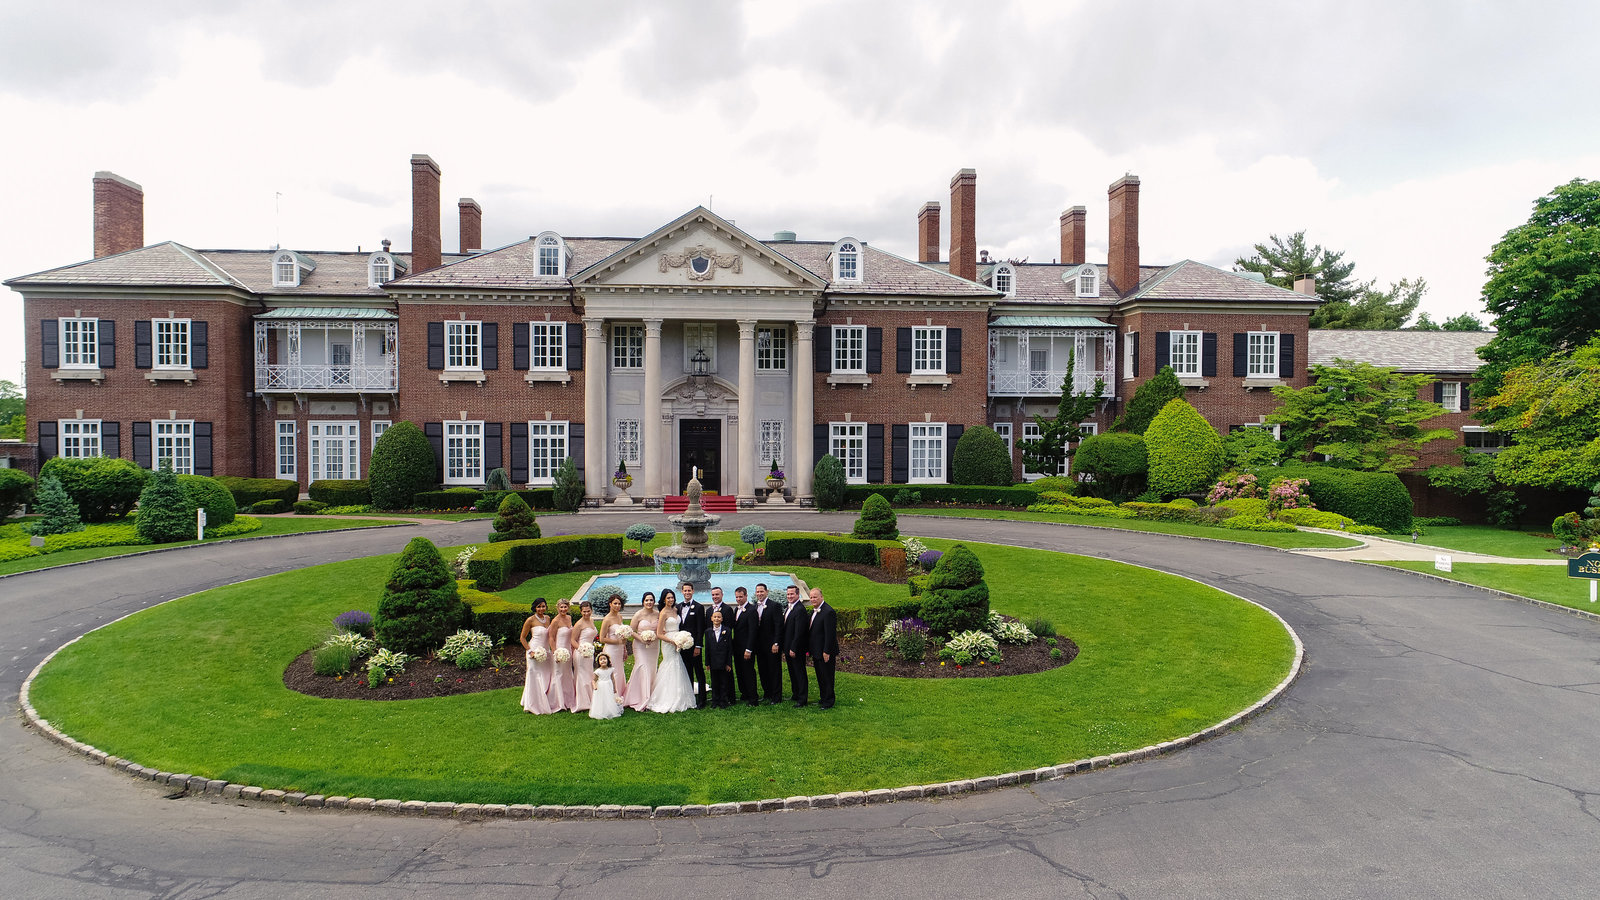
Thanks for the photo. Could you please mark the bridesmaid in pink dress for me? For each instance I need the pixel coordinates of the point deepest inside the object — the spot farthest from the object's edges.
(562, 691)
(611, 641)
(646, 655)
(584, 632)
(536, 633)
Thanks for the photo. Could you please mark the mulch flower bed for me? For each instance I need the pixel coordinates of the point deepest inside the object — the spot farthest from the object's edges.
(418, 680)
(859, 653)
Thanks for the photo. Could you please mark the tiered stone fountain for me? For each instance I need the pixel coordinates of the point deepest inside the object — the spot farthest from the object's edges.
(694, 558)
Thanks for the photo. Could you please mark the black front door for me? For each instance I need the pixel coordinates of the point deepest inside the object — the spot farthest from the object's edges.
(700, 446)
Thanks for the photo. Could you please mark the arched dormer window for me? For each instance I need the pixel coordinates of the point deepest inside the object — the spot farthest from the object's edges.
(552, 254)
(847, 260)
(285, 270)
(1088, 279)
(1005, 279)
(380, 269)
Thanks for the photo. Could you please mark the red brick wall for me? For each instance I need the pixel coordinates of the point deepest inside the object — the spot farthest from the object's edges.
(427, 249)
(118, 215)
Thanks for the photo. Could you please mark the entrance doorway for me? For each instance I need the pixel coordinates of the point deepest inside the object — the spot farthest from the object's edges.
(700, 445)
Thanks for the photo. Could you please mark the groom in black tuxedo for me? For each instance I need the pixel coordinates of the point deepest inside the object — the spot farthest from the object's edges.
(769, 636)
(796, 644)
(693, 619)
(744, 646)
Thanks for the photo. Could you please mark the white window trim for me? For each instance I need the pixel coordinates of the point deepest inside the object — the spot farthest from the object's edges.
(556, 342)
(840, 331)
(286, 464)
(944, 349)
(619, 332)
(699, 328)
(379, 426)
(89, 350)
(1030, 432)
(181, 430)
(1451, 392)
(374, 262)
(84, 428)
(548, 239)
(1010, 273)
(1277, 430)
(1480, 429)
(911, 452)
(461, 327)
(778, 344)
(316, 447)
(1004, 430)
(466, 436)
(1093, 274)
(188, 345)
(1127, 355)
(858, 251)
(1271, 357)
(1199, 352)
(849, 432)
(278, 262)
(553, 462)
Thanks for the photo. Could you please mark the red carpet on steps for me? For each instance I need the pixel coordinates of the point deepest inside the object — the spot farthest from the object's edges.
(711, 503)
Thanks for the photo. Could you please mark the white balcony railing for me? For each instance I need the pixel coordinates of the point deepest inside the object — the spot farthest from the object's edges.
(1012, 371)
(382, 379)
(348, 373)
(1044, 384)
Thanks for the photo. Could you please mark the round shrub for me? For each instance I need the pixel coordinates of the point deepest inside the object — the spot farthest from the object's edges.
(957, 598)
(166, 513)
(471, 659)
(1185, 451)
(421, 605)
(827, 482)
(1066, 484)
(402, 465)
(981, 458)
(249, 491)
(269, 507)
(210, 495)
(877, 520)
(103, 488)
(643, 532)
(59, 512)
(751, 534)
(514, 521)
(1117, 461)
(16, 490)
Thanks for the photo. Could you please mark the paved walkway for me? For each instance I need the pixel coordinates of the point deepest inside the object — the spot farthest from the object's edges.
(1388, 549)
(1439, 744)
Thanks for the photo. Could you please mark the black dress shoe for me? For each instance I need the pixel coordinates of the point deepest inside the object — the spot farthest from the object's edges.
(824, 706)
(799, 703)
(752, 703)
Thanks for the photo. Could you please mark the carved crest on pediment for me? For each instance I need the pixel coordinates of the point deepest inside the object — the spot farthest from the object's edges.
(702, 262)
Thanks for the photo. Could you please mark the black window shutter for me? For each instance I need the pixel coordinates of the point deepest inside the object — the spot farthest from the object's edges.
(1208, 354)
(199, 349)
(141, 444)
(952, 351)
(874, 351)
(1438, 392)
(1135, 339)
(202, 448)
(49, 446)
(1241, 350)
(902, 350)
(106, 331)
(519, 453)
(493, 452)
(819, 441)
(1285, 356)
(574, 346)
(436, 348)
(899, 454)
(875, 454)
(575, 449)
(1163, 350)
(519, 346)
(822, 349)
(110, 439)
(50, 343)
(952, 434)
(143, 352)
(490, 336)
(435, 434)
(1466, 397)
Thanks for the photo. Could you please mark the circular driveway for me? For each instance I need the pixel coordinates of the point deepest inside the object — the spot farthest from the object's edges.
(1437, 743)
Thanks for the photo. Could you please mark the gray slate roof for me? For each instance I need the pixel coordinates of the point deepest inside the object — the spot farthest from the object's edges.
(1408, 351)
(514, 266)
(1190, 280)
(883, 273)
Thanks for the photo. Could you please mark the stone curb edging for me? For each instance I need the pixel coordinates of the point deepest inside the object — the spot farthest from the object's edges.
(200, 785)
(1507, 595)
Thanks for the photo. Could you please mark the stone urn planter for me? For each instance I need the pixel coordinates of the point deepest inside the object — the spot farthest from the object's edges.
(622, 481)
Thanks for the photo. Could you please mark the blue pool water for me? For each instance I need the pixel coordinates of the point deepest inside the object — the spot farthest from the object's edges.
(633, 585)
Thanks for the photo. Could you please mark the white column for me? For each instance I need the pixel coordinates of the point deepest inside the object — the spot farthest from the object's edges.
(650, 425)
(595, 365)
(799, 465)
(747, 411)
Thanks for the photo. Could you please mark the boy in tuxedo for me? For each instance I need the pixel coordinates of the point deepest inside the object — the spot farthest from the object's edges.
(719, 659)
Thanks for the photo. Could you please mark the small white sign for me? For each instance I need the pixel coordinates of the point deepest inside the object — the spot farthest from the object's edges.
(1441, 561)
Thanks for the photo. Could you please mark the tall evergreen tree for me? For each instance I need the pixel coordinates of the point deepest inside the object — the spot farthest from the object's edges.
(1282, 260)
(1148, 400)
(1047, 452)
(60, 514)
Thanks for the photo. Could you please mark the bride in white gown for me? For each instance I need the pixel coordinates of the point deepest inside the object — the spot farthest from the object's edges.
(672, 691)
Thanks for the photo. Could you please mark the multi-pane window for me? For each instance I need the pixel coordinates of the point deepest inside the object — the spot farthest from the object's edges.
(334, 449)
(772, 441)
(1450, 395)
(286, 467)
(847, 258)
(1004, 430)
(550, 256)
(172, 343)
(463, 452)
(1030, 432)
(1128, 360)
(850, 349)
(1005, 280)
(1478, 439)
(80, 438)
(627, 346)
(463, 345)
(547, 345)
(628, 440)
(927, 453)
(847, 441)
(382, 270)
(1275, 430)
(547, 447)
(378, 428)
(927, 350)
(80, 343)
(1263, 354)
(175, 446)
(284, 271)
(772, 348)
(1185, 358)
(699, 337)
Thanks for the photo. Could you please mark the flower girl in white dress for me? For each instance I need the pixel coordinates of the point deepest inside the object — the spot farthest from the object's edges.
(605, 704)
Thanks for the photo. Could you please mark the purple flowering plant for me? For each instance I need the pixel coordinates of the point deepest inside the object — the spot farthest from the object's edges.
(928, 558)
(355, 621)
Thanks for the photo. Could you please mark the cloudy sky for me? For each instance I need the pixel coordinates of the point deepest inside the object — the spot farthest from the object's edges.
(1412, 135)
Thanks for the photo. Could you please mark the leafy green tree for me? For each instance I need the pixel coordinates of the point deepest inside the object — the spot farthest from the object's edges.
(60, 514)
(166, 513)
(877, 520)
(421, 605)
(1543, 286)
(103, 488)
(1464, 322)
(981, 458)
(568, 493)
(957, 599)
(1358, 415)
(1118, 463)
(1047, 452)
(1148, 400)
(514, 520)
(1282, 260)
(1252, 448)
(403, 465)
(16, 490)
(827, 482)
(1185, 451)
(13, 422)
(1551, 407)
(1372, 309)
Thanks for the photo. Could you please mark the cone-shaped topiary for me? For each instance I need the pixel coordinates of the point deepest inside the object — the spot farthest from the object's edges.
(877, 521)
(60, 513)
(569, 487)
(1148, 400)
(957, 598)
(166, 513)
(421, 605)
(210, 495)
(1185, 451)
(403, 465)
(514, 522)
(827, 482)
(981, 457)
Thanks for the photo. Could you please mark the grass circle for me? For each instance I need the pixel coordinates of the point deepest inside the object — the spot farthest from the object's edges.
(195, 685)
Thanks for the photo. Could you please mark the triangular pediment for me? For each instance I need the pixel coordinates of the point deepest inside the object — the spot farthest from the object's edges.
(699, 250)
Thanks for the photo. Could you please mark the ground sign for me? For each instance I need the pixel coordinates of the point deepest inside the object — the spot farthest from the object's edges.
(1586, 566)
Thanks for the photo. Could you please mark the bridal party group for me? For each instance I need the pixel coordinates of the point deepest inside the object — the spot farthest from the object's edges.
(686, 654)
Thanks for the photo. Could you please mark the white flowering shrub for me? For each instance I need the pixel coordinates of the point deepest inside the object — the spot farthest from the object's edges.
(359, 646)
(465, 640)
(914, 548)
(462, 558)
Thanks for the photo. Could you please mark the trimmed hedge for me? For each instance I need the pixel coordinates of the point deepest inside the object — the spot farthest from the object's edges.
(981, 457)
(1257, 523)
(1013, 496)
(104, 488)
(210, 495)
(402, 464)
(309, 507)
(450, 498)
(341, 493)
(494, 563)
(269, 507)
(1315, 518)
(247, 492)
(1371, 498)
(493, 615)
(1247, 506)
(800, 545)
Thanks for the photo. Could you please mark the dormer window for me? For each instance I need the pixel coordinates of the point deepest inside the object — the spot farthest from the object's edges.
(847, 260)
(1088, 279)
(552, 255)
(380, 269)
(289, 267)
(1005, 279)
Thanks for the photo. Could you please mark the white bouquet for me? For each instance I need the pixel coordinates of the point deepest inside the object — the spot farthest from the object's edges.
(563, 654)
(538, 654)
(623, 632)
(648, 635)
(683, 639)
(586, 649)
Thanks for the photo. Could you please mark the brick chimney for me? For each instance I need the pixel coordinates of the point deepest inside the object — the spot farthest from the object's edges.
(1072, 236)
(471, 225)
(1123, 258)
(118, 214)
(928, 232)
(964, 224)
(1305, 284)
(427, 249)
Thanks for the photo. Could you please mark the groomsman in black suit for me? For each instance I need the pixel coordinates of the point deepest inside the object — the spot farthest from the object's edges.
(796, 644)
(717, 605)
(692, 618)
(719, 659)
(824, 647)
(769, 634)
(744, 646)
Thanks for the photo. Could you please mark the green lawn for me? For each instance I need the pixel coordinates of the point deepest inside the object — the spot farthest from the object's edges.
(270, 525)
(1547, 583)
(196, 685)
(1295, 540)
(1491, 541)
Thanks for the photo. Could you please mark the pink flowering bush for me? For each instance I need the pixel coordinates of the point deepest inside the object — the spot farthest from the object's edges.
(1289, 493)
(1234, 485)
